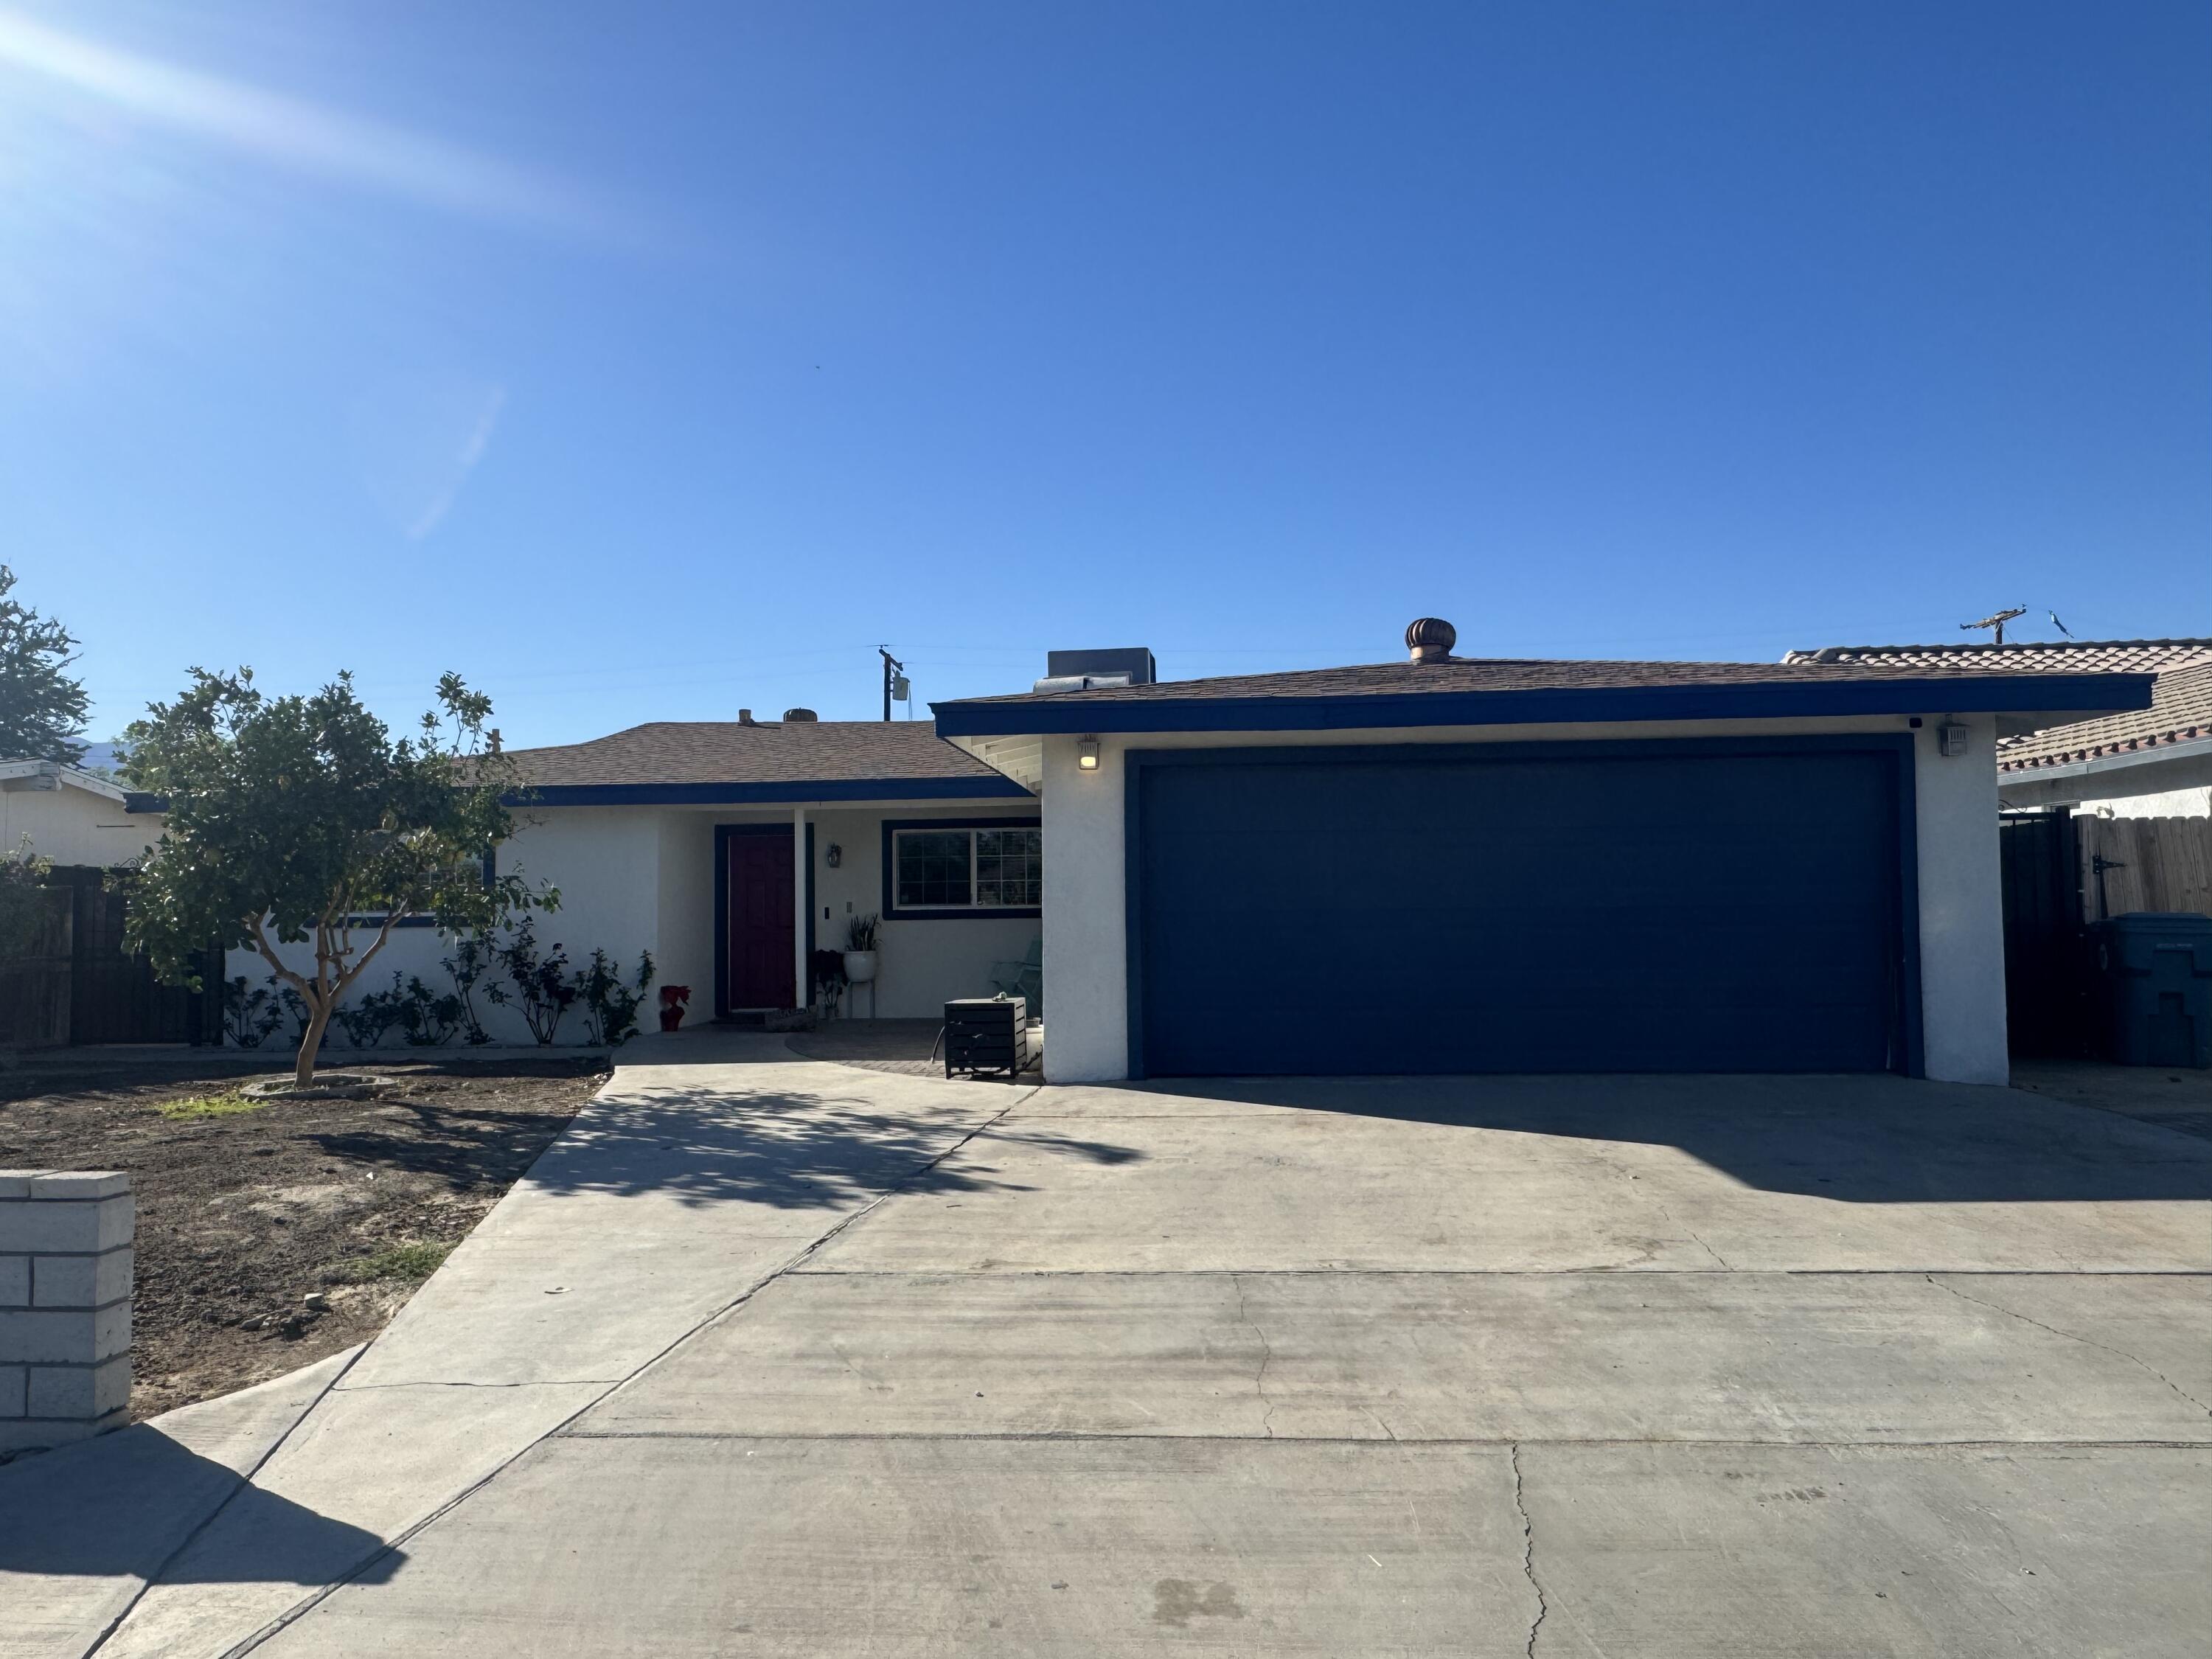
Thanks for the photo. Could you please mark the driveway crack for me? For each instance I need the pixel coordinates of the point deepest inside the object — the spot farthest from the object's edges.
(2074, 1336)
(1267, 1355)
(1528, 1553)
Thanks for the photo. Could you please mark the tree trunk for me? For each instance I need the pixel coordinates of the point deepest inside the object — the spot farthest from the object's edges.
(303, 1069)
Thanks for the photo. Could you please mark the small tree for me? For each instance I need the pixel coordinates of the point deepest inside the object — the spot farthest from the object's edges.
(300, 818)
(42, 708)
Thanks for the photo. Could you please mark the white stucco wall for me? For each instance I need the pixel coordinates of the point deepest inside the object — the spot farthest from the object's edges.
(605, 862)
(70, 825)
(686, 885)
(636, 878)
(2179, 787)
(1962, 992)
(1962, 953)
(923, 963)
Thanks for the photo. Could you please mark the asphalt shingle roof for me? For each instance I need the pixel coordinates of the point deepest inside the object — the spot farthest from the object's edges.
(1461, 674)
(779, 752)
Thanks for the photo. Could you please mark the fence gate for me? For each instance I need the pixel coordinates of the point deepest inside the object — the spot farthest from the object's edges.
(2146, 864)
(113, 996)
(2049, 981)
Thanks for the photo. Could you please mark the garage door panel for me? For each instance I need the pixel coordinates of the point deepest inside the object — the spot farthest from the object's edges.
(1711, 912)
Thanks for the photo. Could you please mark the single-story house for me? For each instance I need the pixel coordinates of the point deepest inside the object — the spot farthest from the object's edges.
(71, 817)
(731, 849)
(1455, 865)
(2154, 762)
(1434, 865)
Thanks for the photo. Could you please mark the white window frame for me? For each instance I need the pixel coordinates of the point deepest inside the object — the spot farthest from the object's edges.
(895, 908)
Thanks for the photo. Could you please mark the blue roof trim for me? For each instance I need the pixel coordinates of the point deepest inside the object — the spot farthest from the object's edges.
(1985, 693)
(769, 794)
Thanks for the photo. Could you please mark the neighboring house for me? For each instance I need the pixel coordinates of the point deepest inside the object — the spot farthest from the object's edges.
(731, 849)
(2144, 763)
(1448, 864)
(71, 817)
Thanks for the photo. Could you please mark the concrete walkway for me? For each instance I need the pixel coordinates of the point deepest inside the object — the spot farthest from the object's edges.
(776, 1357)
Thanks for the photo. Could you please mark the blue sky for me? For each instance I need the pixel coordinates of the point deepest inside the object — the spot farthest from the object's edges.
(647, 363)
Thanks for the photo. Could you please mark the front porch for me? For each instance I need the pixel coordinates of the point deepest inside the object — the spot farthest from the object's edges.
(907, 1048)
(956, 890)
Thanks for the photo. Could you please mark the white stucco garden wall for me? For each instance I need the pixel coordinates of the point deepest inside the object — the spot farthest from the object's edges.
(635, 878)
(1961, 923)
(605, 861)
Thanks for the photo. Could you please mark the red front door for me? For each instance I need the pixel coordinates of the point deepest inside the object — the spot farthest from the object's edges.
(761, 905)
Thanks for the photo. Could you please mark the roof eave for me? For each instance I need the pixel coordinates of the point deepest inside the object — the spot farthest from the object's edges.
(2051, 699)
(2149, 752)
(767, 795)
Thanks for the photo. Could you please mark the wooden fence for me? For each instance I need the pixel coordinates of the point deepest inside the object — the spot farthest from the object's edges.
(35, 982)
(75, 982)
(2145, 864)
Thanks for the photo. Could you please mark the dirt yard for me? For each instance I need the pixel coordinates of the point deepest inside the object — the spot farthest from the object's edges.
(269, 1236)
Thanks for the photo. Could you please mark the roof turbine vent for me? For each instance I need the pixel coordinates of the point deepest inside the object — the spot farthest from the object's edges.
(1430, 640)
(791, 714)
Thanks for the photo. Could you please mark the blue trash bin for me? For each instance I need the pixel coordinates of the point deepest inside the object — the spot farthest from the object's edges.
(2158, 965)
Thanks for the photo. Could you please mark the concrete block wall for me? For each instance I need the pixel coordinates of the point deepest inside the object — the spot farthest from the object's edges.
(65, 1260)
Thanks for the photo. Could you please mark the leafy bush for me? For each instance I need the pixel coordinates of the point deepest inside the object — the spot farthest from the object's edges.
(610, 1003)
(368, 1018)
(542, 990)
(472, 954)
(23, 891)
(251, 1014)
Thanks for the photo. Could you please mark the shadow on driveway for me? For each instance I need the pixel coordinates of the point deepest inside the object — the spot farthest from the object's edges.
(1858, 1140)
(793, 1151)
(119, 1506)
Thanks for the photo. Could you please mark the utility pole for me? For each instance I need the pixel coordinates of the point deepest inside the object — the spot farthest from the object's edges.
(894, 679)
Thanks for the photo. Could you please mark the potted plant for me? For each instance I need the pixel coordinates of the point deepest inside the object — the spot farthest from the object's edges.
(860, 948)
(674, 1000)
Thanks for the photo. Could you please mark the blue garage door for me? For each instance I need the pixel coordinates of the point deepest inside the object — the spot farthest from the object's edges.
(1639, 910)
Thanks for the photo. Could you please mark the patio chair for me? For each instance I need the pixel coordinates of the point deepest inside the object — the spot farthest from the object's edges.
(1023, 979)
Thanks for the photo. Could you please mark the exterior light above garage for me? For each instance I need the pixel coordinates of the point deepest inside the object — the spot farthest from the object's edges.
(1086, 754)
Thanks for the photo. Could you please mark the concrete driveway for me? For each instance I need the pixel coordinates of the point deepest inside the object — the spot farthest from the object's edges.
(793, 1358)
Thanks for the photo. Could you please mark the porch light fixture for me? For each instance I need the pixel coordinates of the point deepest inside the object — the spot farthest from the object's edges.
(1086, 754)
(835, 856)
(1951, 738)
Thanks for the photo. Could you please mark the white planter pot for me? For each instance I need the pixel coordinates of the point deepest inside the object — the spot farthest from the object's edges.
(860, 967)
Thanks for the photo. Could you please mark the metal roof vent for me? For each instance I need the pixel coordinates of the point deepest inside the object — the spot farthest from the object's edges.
(1090, 671)
(1430, 639)
(800, 715)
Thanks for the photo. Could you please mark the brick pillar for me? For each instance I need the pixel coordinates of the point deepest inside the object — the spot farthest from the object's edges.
(65, 1305)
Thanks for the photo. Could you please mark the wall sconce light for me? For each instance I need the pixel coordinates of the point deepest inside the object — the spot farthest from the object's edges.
(835, 856)
(1951, 738)
(1086, 754)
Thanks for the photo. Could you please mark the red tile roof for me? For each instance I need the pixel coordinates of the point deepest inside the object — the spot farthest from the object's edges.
(2181, 712)
(2035, 657)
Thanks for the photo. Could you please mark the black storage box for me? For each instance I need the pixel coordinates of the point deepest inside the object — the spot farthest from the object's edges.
(987, 1036)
